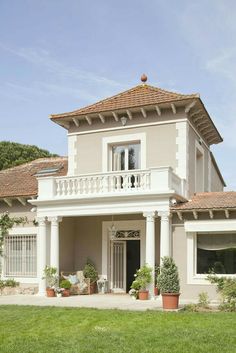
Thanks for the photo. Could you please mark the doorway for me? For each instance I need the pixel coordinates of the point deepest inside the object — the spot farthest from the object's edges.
(125, 260)
(132, 260)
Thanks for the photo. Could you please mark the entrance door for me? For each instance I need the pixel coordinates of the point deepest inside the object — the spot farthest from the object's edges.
(133, 261)
(118, 266)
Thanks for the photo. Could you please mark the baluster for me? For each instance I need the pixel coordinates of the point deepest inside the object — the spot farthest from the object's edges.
(58, 188)
(112, 183)
(136, 181)
(78, 186)
(118, 182)
(100, 184)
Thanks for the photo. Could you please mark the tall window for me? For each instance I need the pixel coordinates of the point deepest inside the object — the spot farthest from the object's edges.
(216, 252)
(126, 157)
(20, 255)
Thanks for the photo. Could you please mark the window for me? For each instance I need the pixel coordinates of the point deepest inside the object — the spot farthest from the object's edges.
(126, 157)
(20, 255)
(217, 252)
(199, 172)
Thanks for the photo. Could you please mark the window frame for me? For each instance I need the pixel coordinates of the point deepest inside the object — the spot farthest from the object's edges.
(109, 142)
(192, 228)
(23, 231)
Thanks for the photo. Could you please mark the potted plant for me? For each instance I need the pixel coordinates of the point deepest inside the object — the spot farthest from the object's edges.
(168, 283)
(50, 274)
(143, 278)
(157, 272)
(90, 272)
(65, 285)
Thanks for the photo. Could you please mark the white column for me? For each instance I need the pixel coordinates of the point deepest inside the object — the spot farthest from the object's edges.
(42, 249)
(165, 234)
(150, 246)
(54, 246)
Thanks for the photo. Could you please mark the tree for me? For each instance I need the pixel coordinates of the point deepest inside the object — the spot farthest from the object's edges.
(13, 154)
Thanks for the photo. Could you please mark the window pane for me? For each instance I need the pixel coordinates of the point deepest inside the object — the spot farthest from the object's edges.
(118, 158)
(216, 252)
(134, 156)
(20, 255)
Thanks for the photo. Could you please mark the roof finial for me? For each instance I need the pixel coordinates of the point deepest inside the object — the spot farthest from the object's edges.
(144, 78)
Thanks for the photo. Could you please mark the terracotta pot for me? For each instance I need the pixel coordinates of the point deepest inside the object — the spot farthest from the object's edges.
(66, 293)
(50, 292)
(170, 300)
(143, 294)
(93, 288)
(156, 290)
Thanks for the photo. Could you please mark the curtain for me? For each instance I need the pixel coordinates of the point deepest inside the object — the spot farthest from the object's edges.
(216, 241)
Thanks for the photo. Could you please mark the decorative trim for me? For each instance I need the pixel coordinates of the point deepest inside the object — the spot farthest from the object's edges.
(127, 234)
(128, 127)
(182, 153)
(23, 230)
(201, 150)
(224, 225)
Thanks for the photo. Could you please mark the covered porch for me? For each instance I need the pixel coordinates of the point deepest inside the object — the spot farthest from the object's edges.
(117, 244)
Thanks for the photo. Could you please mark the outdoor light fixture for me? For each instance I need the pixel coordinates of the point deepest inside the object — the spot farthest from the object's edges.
(123, 120)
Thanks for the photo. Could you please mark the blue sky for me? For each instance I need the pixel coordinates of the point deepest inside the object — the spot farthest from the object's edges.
(59, 55)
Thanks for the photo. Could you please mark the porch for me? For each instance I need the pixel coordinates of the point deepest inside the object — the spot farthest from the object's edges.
(67, 242)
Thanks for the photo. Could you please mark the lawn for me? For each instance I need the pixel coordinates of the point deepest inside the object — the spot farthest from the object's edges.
(72, 330)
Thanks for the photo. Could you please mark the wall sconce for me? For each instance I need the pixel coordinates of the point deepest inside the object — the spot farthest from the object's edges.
(123, 120)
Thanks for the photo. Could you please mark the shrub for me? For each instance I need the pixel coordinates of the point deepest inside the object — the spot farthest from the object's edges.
(226, 286)
(203, 300)
(168, 279)
(64, 283)
(90, 271)
(143, 277)
(10, 283)
(50, 274)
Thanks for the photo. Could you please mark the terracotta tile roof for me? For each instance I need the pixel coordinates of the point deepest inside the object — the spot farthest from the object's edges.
(21, 180)
(209, 200)
(141, 95)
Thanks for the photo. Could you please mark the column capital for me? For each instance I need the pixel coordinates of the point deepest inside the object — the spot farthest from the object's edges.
(55, 220)
(41, 221)
(165, 215)
(150, 215)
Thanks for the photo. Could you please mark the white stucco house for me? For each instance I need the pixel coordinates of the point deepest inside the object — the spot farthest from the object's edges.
(140, 183)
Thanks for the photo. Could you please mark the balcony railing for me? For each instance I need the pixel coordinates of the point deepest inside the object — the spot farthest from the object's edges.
(155, 180)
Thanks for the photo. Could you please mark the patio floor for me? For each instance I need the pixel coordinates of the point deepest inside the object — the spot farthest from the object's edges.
(99, 301)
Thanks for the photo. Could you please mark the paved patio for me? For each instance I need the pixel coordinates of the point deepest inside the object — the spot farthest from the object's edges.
(98, 301)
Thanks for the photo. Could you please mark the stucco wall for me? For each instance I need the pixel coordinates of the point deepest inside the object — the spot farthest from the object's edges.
(193, 140)
(216, 183)
(188, 291)
(18, 210)
(160, 147)
(81, 238)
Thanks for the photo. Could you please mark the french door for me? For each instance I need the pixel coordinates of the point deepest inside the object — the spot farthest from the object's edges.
(118, 266)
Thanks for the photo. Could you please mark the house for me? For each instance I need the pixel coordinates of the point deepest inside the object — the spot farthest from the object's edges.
(142, 183)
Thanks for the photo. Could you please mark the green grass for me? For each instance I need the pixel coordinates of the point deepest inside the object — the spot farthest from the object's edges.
(72, 330)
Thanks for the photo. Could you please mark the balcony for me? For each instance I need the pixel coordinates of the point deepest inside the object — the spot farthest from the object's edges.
(149, 181)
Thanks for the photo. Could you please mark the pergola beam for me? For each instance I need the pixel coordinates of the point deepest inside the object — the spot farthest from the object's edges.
(195, 113)
(76, 122)
(144, 112)
(22, 200)
(158, 109)
(89, 120)
(189, 106)
(129, 114)
(102, 118)
(211, 214)
(195, 214)
(8, 202)
(180, 215)
(115, 116)
(173, 108)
